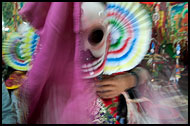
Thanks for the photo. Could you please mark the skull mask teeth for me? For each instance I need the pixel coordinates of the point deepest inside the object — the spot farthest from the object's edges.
(94, 39)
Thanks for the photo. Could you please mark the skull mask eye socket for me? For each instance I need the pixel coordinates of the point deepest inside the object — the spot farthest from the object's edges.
(96, 36)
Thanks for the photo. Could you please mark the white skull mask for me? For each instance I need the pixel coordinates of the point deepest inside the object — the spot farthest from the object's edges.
(94, 36)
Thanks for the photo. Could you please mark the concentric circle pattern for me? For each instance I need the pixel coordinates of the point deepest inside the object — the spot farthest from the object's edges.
(17, 49)
(131, 29)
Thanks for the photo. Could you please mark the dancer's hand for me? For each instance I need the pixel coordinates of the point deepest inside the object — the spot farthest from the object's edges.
(112, 87)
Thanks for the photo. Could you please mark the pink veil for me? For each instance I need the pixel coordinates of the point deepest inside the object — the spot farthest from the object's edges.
(54, 90)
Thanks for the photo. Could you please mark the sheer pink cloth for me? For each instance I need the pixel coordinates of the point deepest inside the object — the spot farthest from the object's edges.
(54, 88)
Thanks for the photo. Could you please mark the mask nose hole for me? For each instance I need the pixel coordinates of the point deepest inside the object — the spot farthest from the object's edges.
(96, 36)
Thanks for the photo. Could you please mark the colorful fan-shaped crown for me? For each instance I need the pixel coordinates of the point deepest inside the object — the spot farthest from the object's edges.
(130, 35)
(17, 49)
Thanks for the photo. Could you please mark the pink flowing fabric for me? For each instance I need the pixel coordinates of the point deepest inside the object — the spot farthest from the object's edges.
(54, 89)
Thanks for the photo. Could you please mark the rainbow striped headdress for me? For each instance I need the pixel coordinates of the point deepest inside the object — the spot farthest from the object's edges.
(130, 35)
(17, 49)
